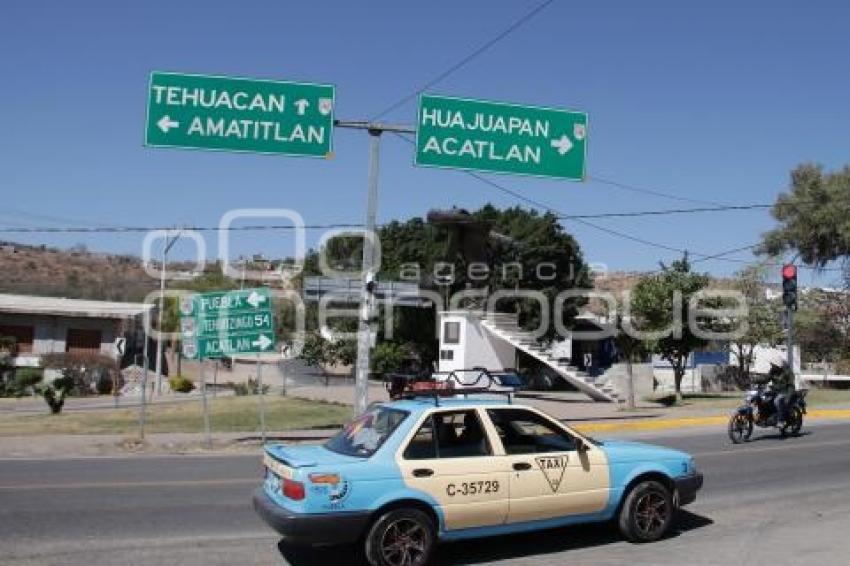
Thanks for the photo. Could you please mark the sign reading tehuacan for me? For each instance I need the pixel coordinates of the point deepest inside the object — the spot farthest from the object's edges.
(236, 114)
(499, 137)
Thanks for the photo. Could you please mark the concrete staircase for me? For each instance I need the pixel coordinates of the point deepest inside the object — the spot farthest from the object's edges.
(505, 327)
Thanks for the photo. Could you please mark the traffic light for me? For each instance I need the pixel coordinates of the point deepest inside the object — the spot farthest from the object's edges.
(789, 286)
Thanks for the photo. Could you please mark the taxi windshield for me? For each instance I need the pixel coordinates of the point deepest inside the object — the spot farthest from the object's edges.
(364, 435)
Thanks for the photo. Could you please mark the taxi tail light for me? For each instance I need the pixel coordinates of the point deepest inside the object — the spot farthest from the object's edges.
(293, 489)
(332, 479)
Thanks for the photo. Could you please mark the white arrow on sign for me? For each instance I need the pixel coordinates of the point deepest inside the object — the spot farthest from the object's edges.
(263, 342)
(562, 144)
(166, 123)
(255, 299)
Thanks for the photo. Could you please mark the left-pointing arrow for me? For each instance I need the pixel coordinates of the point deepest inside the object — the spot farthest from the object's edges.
(166, 123)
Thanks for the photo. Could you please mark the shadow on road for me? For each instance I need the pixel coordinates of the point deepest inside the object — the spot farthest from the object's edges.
(476, 551)
(778, 436)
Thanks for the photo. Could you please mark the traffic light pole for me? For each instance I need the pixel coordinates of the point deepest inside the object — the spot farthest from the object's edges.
(789, 345)
(364, 326)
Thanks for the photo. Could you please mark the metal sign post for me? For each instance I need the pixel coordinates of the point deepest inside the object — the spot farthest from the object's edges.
(206, 409)
(262, 400)
(142, 402)
(364, 327)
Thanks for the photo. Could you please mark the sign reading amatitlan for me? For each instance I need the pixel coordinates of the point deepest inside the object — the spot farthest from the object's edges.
(227, 113)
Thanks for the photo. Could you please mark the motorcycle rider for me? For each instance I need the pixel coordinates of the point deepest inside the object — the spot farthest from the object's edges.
(782, 377)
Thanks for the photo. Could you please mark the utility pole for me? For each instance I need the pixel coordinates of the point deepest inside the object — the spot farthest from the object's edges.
(169, 242)
(789, 299)
(364, 326)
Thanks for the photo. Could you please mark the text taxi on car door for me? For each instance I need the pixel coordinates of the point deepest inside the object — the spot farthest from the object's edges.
(438, 465)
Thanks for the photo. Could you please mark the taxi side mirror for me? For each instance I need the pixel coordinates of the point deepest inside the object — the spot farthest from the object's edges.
(581, 445)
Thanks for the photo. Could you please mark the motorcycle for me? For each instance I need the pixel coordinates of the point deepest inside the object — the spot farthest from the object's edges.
(759, 409)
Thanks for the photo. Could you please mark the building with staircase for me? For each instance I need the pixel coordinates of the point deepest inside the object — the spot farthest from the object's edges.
(470, 339)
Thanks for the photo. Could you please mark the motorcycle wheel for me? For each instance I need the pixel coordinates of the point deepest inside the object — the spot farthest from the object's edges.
(795, 422)
(740, 428)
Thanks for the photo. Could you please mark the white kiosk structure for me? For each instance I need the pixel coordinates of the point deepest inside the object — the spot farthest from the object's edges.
(470, 339)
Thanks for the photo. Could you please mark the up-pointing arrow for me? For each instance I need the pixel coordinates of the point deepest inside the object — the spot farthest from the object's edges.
(263, 342)
(255, 299)
(562, 144)
(166, 123)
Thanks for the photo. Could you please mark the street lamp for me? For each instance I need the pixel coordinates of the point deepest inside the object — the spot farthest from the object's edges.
(169, 243)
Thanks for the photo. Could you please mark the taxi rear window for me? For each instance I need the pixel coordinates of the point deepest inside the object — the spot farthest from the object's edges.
(364, 435)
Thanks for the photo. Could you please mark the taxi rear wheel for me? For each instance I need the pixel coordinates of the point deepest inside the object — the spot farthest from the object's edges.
(401, 537)
(647, 512)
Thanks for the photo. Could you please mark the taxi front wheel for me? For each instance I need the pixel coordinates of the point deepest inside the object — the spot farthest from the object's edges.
(647, 512)
(401, 537)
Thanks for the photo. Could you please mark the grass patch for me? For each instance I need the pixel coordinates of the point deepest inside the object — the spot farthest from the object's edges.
(227, 414)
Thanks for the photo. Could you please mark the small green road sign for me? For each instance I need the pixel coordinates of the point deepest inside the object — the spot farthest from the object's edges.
(227, 113)
(229, 345)
(226, 323)
(228, 302)
(498, 137)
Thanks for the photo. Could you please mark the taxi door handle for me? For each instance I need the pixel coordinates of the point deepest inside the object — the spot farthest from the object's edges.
(519, 466)
(422, 473)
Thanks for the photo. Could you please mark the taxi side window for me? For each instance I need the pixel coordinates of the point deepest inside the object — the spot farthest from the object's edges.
(453, 434)
(526, 432)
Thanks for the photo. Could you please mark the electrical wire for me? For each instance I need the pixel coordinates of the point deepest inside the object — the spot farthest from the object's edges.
(463, 62)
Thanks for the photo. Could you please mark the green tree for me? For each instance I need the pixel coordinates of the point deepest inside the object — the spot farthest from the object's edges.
(654, 302)
(763, 325)
(412, 250)
(819, 338)
(814, 216)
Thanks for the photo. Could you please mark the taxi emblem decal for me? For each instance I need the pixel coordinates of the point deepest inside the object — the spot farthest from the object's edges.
(553, 469)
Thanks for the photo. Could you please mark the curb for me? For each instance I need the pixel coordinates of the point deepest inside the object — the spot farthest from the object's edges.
(814, 414)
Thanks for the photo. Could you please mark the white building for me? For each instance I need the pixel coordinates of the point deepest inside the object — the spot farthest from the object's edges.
(45, 325)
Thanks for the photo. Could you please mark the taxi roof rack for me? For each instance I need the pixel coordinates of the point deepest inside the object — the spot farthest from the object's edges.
(403, 387)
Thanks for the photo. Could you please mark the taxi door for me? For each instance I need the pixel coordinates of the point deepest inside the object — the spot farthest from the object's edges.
(450, 458)
(549, 476)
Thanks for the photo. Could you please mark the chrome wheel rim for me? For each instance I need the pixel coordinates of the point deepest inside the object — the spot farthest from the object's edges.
(651, 514)
(404, 543)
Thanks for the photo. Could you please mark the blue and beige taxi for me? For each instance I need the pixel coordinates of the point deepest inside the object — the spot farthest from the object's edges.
(427, 468)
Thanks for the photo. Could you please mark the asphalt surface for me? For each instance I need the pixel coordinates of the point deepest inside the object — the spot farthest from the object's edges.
(775, 501)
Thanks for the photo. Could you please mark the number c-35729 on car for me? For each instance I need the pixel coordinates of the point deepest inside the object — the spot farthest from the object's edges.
(413, 471)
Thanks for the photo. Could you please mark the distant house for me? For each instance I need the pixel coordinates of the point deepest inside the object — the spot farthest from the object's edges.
(45, 325)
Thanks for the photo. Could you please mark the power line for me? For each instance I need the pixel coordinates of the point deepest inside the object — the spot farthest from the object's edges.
(475, 53)
(653, 191)
(136, 229)
(667, 211)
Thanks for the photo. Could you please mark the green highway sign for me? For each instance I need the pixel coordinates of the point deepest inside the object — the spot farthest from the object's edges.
(498, 137)
(227, 113)
(230, 345)
(226, 302)
(226, 323)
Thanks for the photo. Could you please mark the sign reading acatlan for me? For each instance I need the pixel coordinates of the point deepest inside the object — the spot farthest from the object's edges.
(208, 112)
(500, 137)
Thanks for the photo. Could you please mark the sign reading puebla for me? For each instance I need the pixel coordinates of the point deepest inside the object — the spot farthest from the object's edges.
(500, 137)
(208, 112)
(226, 323)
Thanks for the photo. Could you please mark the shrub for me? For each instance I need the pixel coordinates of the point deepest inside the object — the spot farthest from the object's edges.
(23, 381)
(388, 357)
(252, 387)
(54, 393)
(181, 384)
(82, 370)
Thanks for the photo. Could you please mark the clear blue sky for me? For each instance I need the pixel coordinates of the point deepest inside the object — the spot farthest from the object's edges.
(713, 101)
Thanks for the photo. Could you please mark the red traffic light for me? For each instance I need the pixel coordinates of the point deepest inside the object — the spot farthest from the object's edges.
(789, 271)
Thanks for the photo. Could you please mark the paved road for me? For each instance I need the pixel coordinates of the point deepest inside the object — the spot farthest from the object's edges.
(771, 501)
